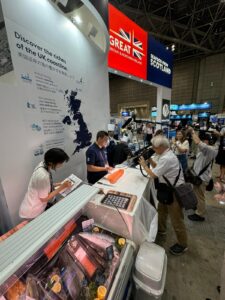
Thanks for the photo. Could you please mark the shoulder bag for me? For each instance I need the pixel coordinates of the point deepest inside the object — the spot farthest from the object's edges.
(165, 192)
(184, 194)
(192, 177)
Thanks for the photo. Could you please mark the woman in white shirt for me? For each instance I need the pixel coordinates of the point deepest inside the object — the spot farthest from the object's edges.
(41, 188)
(180, 147)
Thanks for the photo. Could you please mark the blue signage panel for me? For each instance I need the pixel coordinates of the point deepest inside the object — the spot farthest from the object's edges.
(195, 106)
(160, 63)
(174, 106)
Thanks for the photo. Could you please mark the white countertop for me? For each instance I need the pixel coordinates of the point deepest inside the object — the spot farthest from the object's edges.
(132, 182)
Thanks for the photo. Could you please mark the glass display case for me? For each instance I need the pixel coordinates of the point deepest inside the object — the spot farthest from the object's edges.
(63, 255)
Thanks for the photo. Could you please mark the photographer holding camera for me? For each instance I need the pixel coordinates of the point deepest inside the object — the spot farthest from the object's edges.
(169, 167)
(203, 168)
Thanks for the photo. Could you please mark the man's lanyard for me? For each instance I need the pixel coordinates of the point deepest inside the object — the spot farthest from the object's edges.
(103, 157)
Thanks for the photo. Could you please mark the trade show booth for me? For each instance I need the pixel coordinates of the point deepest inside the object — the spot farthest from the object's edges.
(92, 243)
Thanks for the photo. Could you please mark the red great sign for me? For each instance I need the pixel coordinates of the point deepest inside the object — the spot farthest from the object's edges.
(128, 45)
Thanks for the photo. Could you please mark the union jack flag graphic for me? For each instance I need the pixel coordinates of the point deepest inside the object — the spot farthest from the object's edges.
(129, 37)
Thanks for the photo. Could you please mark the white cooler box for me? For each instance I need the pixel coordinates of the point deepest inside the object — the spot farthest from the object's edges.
(150, 272)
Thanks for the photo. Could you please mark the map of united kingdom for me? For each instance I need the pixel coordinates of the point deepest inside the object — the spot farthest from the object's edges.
(82, 136)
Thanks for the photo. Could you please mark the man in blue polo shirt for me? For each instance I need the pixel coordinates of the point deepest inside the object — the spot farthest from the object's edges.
(96, 158)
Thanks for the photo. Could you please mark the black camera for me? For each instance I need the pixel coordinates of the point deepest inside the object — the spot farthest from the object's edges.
(208, 136)
(146, 153)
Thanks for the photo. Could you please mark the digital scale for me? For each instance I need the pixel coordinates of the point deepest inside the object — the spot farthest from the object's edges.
(114, 210)
(119, 200)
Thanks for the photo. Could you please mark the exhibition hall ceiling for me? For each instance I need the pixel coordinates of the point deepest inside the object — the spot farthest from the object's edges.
(190, 28)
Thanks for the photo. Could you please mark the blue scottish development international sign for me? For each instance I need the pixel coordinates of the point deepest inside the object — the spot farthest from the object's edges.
(159, 63)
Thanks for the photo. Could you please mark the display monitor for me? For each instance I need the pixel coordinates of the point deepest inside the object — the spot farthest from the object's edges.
(125, 113)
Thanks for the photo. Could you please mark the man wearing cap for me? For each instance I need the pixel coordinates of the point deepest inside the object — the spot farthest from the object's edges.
(206, 155)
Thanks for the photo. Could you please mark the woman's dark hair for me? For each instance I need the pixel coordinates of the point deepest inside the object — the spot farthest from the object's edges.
(101, 134)
(55, 156)
(183, 135)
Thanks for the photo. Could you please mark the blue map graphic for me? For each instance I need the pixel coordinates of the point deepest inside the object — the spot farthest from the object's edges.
(83, 136)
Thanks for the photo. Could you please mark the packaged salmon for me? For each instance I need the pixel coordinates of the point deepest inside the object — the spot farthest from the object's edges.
(60, 279)
(103, 247)
(82, 258)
